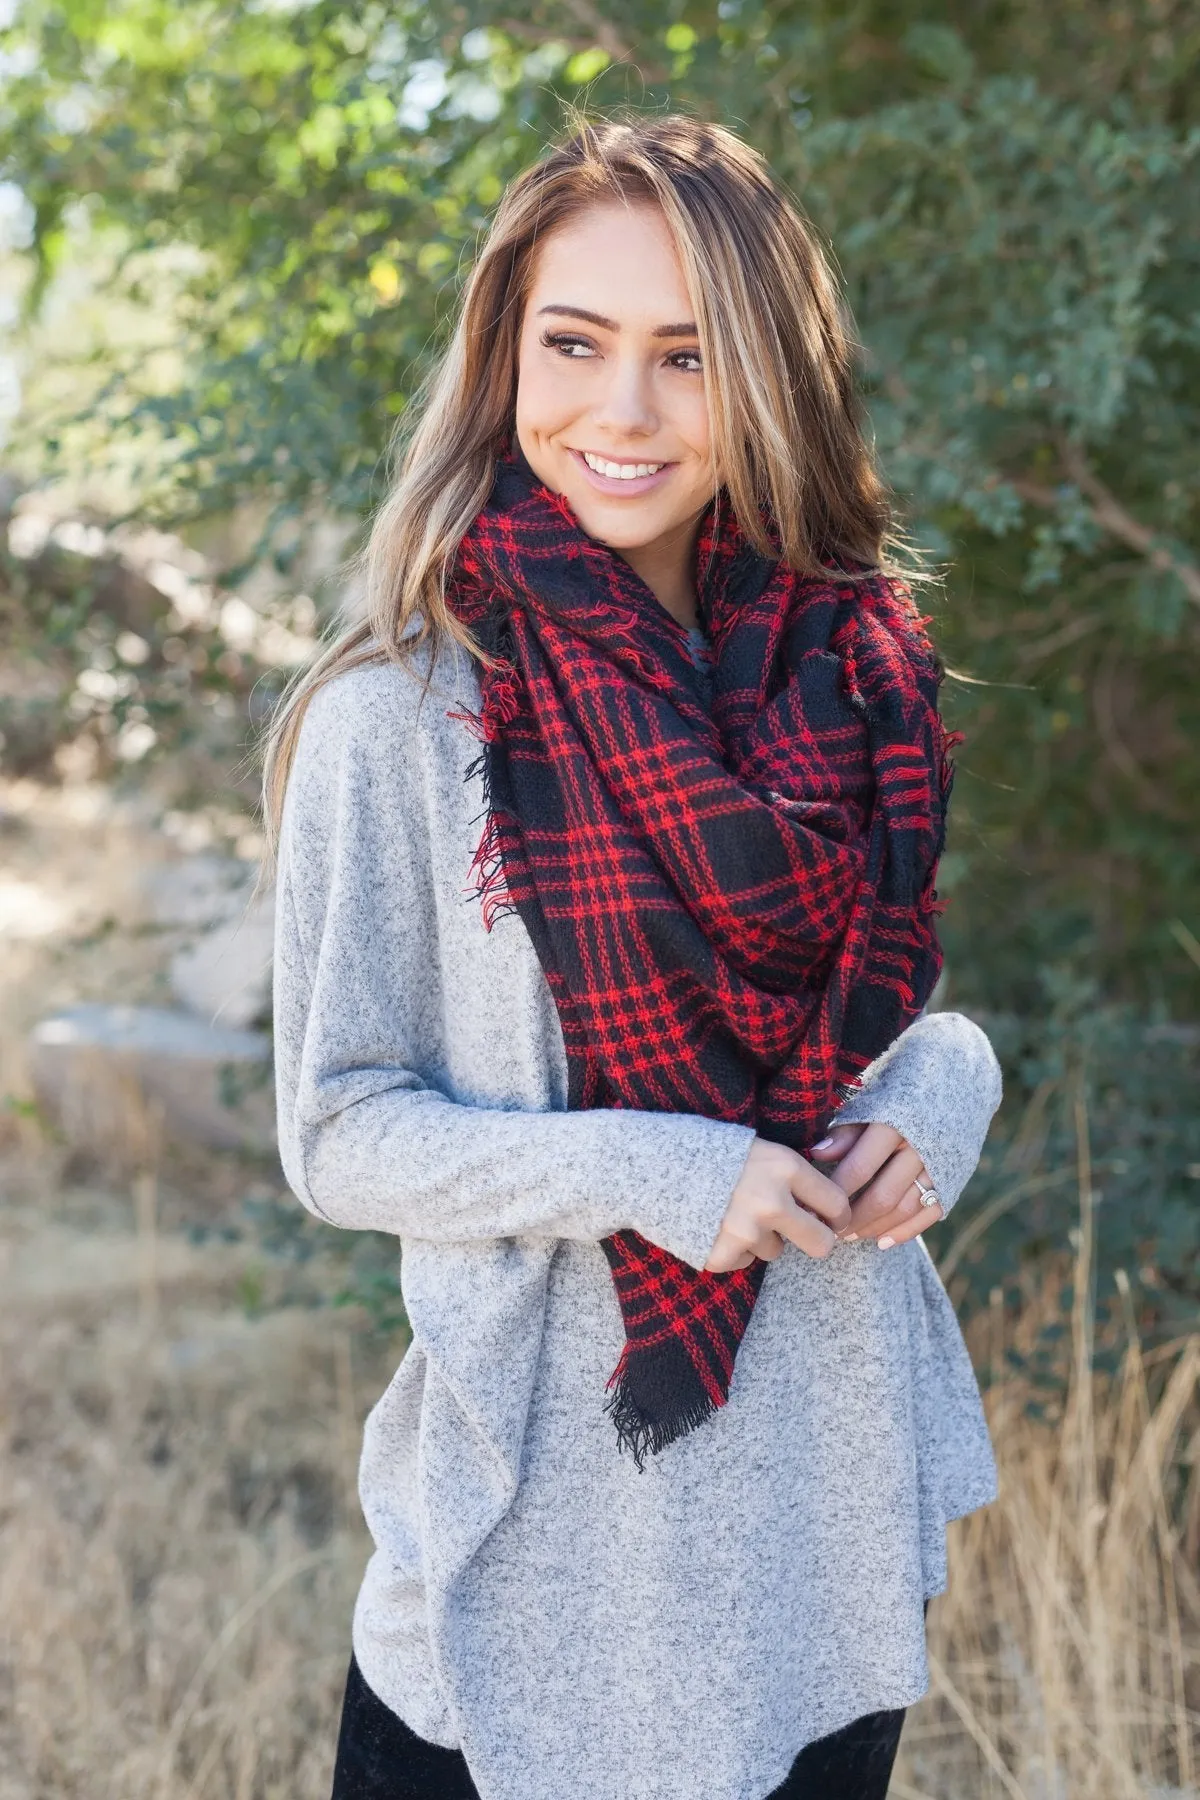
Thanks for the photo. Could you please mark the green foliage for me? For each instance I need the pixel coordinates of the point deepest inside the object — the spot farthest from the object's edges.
(1026, 274)
(292, 193)
(303, 1262)
(362, 1270)
(97, 657)
(1021, 255)
(1101, 1099)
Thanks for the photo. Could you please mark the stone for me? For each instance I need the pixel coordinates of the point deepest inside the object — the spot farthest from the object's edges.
(120, 1078)
(197, 892)
(222, 934)
(224, 975)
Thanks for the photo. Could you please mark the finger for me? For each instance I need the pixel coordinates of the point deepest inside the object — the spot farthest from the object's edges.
(866, 1157)
(903, 1234)
(820, 1194)
(890, 1189)
(908, 1208)
(728, 1252)
(836, 1144)
(882, 1222)
(732, 1251)
(726, 1255)
(726, 1263)
(807, 1232)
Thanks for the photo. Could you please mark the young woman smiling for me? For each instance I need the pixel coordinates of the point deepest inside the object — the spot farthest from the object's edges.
(606, 926)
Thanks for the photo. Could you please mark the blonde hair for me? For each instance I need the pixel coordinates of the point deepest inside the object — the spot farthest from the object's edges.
(778, 353)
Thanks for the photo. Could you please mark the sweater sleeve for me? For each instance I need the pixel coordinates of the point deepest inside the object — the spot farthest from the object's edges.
(939, 1086)
(372, 1135)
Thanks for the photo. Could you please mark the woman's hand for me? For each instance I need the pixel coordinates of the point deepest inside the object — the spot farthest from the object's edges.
(880, 1170)
(779, 1195)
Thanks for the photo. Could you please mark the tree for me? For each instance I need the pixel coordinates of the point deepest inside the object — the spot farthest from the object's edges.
(296, 191)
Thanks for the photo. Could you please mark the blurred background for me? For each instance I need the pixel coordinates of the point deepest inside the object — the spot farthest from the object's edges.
(230, 240)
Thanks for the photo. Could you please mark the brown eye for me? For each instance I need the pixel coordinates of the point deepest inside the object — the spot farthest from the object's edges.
(687, 360)
(568, 345)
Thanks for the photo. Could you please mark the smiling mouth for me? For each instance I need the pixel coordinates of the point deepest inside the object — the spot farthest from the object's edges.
(619, 471)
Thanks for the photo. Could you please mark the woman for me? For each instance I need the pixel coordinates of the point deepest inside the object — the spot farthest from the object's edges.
(606, 871)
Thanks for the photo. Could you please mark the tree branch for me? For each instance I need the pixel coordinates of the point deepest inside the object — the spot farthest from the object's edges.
(1104, 708)
(526, 33)
(1110, 515)
(603, 34)
(1106, 510)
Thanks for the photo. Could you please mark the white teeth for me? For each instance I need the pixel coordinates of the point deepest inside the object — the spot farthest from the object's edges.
(619, 471)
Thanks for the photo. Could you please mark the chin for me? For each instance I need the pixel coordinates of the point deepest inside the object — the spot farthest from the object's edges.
(620, 534)
(625, 521)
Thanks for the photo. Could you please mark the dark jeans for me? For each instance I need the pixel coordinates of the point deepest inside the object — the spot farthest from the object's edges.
(379, 1758)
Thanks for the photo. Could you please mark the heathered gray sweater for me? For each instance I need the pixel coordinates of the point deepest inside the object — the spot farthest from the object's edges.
(583, 1631)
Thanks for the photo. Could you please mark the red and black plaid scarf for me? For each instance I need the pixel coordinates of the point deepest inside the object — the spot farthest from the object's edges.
(734, 909)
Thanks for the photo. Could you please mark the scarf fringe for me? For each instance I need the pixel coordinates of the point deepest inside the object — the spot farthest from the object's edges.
(487, 881)
(486, 878)
(657, 1397)
(474, 724)
(501, 704)
(643, 1436)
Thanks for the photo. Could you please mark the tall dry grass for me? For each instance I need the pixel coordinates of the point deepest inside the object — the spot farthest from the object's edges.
(1065, 1655)
(180, 1543)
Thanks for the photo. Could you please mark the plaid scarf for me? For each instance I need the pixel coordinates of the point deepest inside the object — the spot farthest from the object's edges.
(733, 909)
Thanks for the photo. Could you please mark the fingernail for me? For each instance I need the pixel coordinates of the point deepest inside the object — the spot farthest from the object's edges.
(851, 1237)
(886, 1243)
(826, 1143)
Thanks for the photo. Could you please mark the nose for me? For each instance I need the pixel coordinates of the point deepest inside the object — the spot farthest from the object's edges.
(625, 408)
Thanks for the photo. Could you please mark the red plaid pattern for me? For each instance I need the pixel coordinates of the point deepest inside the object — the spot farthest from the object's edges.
(735, 909)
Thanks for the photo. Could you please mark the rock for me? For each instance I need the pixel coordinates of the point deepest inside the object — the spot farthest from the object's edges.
(198, 892)
(118, 1077)
(225, 975)
(222, 969)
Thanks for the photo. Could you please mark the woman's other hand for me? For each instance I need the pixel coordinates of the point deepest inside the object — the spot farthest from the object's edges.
(879, 1170)
(779, 1196)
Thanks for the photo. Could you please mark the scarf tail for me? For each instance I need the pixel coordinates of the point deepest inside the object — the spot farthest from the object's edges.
(657, 1397)
(682, 1331)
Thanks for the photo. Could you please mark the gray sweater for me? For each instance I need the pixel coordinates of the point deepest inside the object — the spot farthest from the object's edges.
(583, 1631)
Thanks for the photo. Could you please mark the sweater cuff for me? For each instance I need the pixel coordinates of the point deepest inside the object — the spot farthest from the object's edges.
(938, 1085)
(685, 1180)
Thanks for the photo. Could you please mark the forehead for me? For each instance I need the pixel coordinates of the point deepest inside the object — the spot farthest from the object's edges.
(618, 259)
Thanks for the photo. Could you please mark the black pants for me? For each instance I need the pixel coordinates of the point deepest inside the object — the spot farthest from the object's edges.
(379, 1758)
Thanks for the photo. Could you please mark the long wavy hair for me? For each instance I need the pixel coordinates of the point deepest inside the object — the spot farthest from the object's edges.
(779, 356)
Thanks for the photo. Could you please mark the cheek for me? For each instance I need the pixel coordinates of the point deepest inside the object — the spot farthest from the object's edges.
(543, 396)
(694, 427)
(682, 408)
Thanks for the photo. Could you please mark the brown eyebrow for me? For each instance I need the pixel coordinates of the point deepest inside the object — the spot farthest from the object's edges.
(581, 312)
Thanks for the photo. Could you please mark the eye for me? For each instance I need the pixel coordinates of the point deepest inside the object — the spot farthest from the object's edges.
(568, 344)
(686, 360)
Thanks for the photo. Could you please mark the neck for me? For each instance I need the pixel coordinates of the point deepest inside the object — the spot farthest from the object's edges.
(668, 569)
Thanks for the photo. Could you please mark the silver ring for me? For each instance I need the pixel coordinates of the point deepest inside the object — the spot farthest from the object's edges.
(929, 1196)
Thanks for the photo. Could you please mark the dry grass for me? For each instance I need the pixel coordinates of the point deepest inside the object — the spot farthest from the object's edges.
(1067, 1649)
(1066, 1653)
(179, 1537)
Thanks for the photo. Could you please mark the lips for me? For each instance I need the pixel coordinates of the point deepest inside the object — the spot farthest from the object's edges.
(626, 486)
